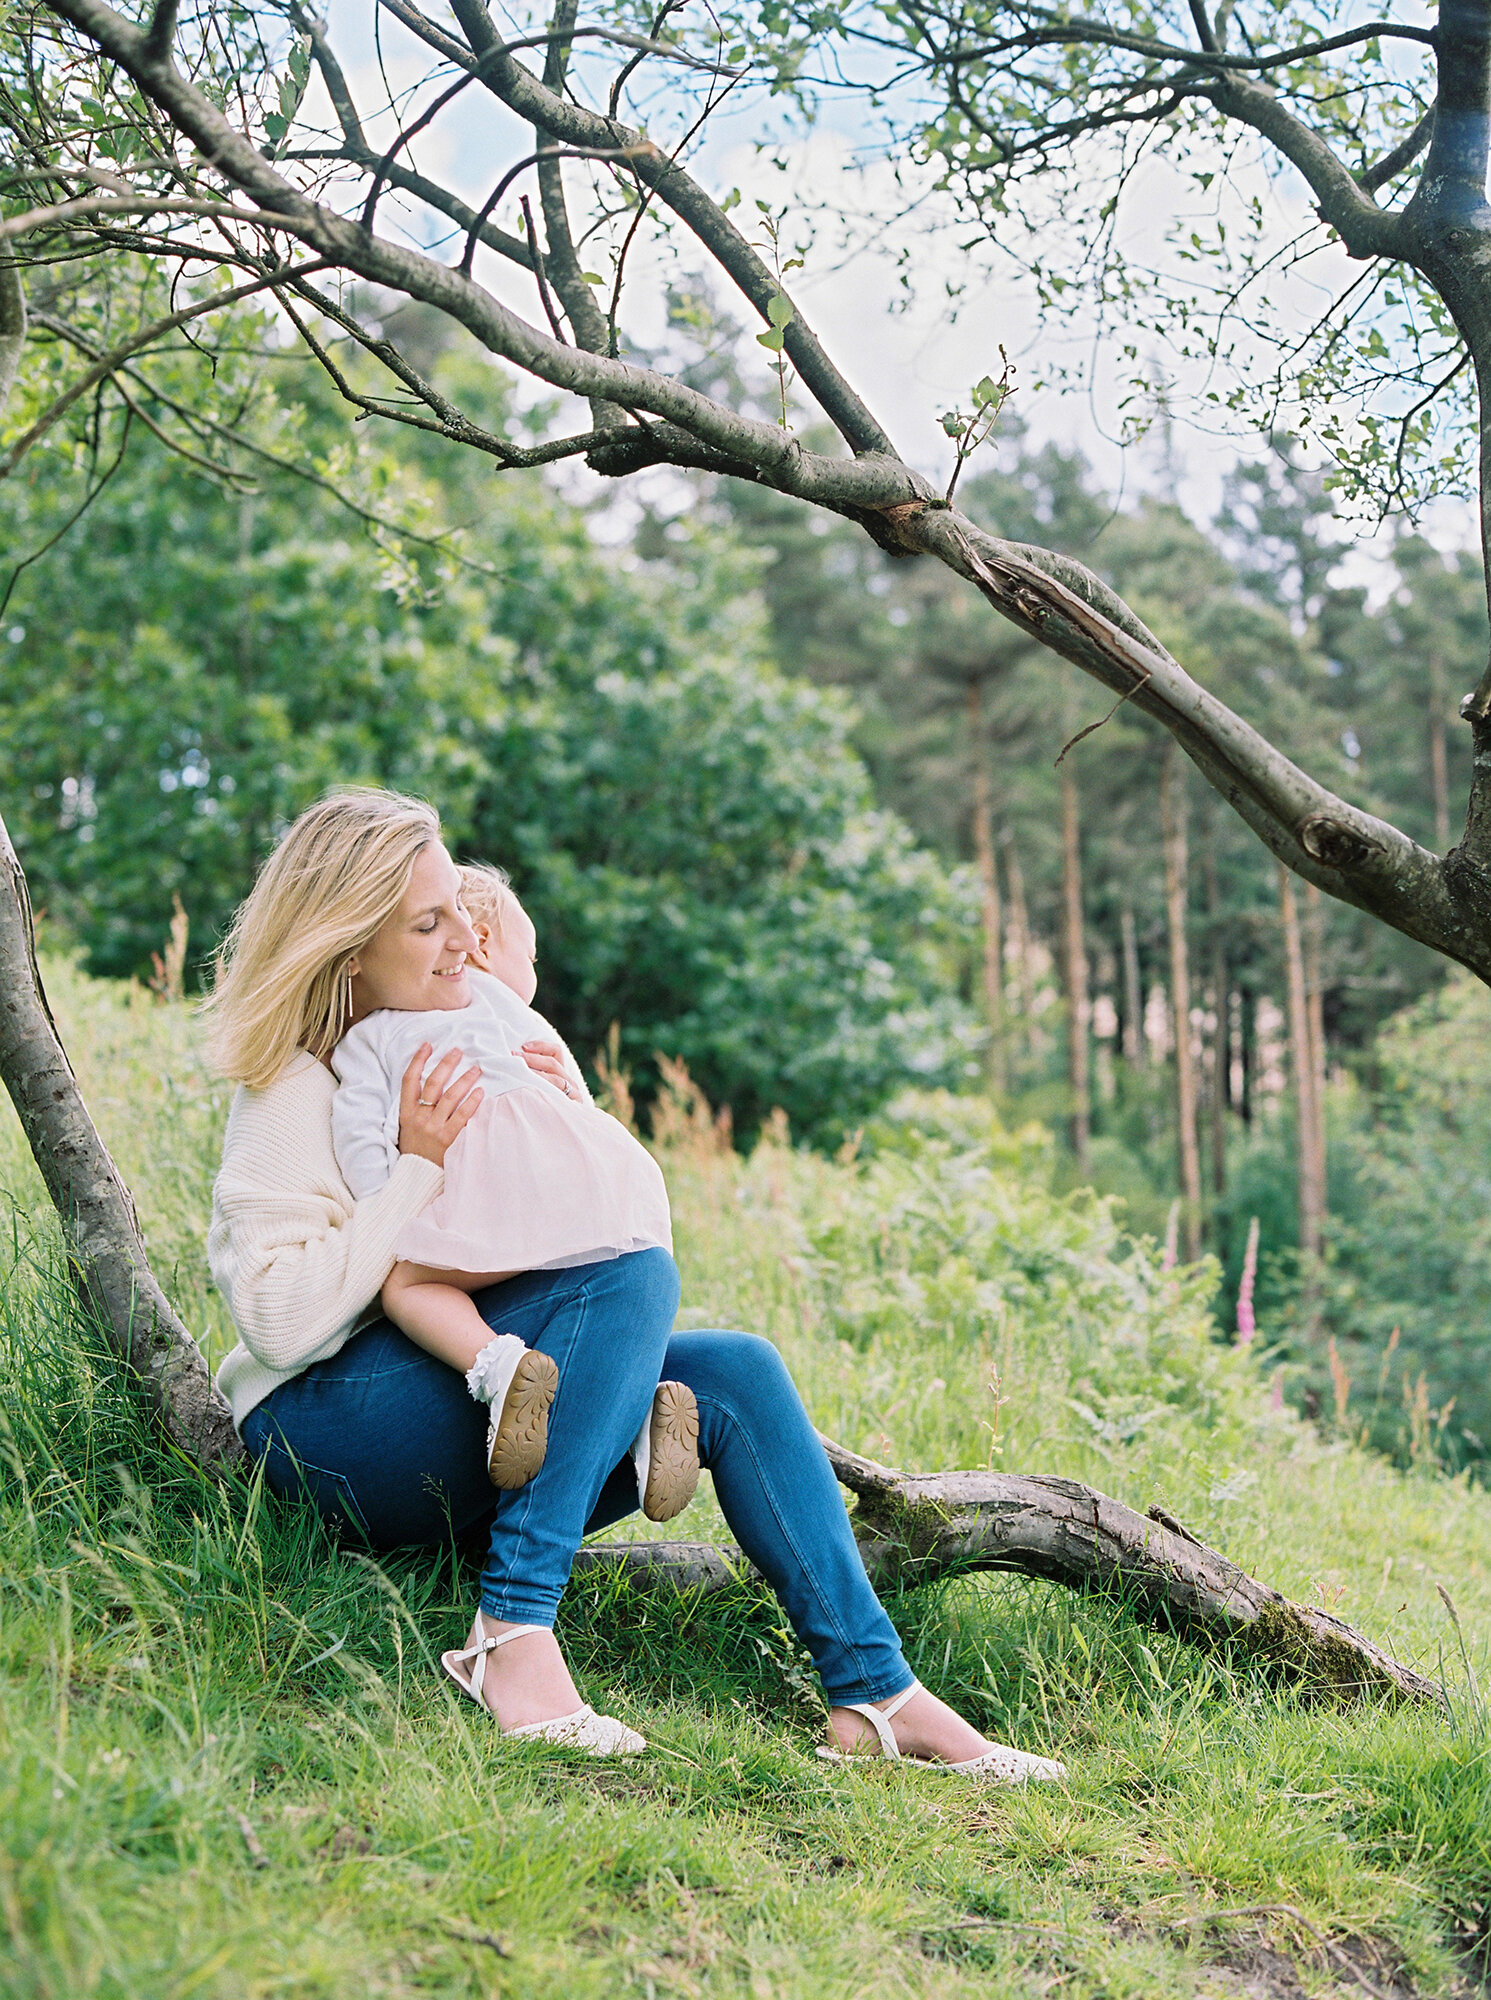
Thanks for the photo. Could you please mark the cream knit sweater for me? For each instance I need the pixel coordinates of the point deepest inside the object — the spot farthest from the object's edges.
(299, 1261)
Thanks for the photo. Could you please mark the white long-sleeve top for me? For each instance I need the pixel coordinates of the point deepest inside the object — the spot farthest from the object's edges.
(371, 1058)
(298, 1259)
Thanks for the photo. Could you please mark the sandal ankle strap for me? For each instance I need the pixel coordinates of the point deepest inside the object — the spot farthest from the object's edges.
(881, 1718)
(478, 1653)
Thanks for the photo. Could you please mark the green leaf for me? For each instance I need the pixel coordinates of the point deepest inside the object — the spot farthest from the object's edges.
(779, 309)
(986, 391)
(275, 127)
(775, 340)
(592, 277)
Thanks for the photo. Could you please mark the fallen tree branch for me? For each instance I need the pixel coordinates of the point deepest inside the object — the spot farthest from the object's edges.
(105, 1253)
(915, 1528)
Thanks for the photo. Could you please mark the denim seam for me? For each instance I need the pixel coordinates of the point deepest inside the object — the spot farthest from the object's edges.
(339, 1480)
(872, 1694)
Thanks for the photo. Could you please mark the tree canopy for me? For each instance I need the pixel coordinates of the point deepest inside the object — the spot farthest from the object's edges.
(225, 159)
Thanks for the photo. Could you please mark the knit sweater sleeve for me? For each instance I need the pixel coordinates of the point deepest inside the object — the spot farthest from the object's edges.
(296, 1258)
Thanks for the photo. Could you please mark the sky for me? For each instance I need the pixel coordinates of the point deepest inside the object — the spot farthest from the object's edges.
(910, 358)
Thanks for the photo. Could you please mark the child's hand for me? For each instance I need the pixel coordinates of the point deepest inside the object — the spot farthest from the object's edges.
(432, 1109)
(546, 1059)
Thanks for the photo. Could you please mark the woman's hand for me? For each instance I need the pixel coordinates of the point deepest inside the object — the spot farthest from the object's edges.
(546, 1059)
(432, 1109)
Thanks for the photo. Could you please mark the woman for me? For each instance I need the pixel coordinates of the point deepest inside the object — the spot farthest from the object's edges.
(381, 1436)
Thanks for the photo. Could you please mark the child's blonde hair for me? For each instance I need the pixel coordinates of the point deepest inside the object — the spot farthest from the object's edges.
(485, 889)
(336, 878)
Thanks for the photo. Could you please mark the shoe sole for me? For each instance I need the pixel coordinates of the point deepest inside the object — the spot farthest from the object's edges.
(674, 1471)
(522, 1435)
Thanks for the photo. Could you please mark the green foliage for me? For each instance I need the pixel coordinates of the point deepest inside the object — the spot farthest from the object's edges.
(228, 1766)
(705, 864)
(694, 833)
(1408, 1287)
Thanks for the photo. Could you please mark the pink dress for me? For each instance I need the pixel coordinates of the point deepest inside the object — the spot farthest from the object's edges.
(536, 1182)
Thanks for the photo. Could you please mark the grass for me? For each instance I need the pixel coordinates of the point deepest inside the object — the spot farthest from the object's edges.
(227, 1769)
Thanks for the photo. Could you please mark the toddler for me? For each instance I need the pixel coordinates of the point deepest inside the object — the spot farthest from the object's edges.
(539, 1180)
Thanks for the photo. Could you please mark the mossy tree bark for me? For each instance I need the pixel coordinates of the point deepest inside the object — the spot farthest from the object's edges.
(915, 1528)
(105, 1251)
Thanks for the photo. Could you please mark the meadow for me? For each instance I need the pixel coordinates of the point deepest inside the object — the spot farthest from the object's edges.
(228, 1769)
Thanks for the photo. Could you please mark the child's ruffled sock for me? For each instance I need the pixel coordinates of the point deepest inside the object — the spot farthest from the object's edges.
(490, 1375)
(642, 1457)
(517, 1384)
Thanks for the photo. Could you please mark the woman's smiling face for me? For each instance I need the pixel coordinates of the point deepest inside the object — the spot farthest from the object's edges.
(416, 962)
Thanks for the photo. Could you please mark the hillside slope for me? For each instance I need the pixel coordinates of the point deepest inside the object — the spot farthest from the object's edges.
(226, 1767)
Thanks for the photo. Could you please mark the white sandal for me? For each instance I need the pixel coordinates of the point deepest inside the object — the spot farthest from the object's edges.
(997, 1766)
(601, 1735)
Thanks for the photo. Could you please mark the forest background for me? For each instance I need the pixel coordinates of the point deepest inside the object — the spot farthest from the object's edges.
(794, 814)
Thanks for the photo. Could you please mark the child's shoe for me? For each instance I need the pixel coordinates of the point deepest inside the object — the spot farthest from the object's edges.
(666, 1452)
(517, 1384)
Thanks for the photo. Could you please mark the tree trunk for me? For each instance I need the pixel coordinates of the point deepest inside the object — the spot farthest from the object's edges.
(1301, 1055)
(1135, 1048)
(988, 875)
(1311, 948)
(1019, 934)
(104, 1252)
(915, 1529)
(1439, 780)
(1173, 821)
(1221, 1045)
(1074, 971)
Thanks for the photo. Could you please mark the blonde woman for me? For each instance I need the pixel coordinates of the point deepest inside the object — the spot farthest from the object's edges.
(360, 899)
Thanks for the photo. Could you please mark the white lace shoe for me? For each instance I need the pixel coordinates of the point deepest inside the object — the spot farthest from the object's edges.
(998, 1765)
(600, 1735)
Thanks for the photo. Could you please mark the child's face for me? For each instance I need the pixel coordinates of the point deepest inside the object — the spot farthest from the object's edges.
(512, 956)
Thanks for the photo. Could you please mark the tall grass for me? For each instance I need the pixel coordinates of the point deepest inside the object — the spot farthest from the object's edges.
(227, 1767)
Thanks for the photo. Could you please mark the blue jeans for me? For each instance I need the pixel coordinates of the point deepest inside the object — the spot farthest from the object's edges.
(386, 1440)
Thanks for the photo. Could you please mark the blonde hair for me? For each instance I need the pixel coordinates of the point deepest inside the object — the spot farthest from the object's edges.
(336, 877)
(485, 889)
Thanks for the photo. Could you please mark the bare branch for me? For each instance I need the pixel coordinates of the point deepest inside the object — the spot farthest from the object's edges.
(572, 125)
(1364, 228)
(1348, 853)
(108, 363)
(1210, 56)
(162, 30)
(544, 155)
(12, 327)
(585, 316)
(446, 420)
(1204, 32)
(85, 207)
(73, 518)
(545, 295)
(1402, 155)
